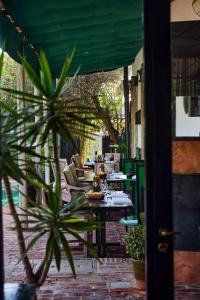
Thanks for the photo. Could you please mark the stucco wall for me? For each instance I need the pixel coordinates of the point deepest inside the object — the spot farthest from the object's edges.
(182, 10)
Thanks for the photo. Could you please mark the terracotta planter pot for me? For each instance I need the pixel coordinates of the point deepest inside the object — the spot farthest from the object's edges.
(139, 271)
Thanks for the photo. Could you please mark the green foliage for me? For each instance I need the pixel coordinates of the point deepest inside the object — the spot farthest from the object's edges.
(135, 242)
(122, 148)
(65, 117)
(110, 98)
(9, 80)
(55, 222)
(11, 133)
(1, 62)
(105, 85)
(20, 135)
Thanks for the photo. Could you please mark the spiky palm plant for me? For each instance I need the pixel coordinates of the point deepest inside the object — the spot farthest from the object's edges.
(56, 116)
(53, 220)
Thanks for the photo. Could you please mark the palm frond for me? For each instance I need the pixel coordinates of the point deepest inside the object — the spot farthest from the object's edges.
(1, 59)
(64, 74)
(35, 79)
(47, 78)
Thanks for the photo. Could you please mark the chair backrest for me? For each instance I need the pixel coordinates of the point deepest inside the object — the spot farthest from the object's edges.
(139, 188)
(73, 171)
(77, 160)
(117, 157)
(107, 156)
(71, 185)
(69, 178)
(62, 163)
(108, 167)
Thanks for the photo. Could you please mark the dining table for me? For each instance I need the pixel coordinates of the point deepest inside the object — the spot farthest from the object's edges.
(103, 210)
(117, 179)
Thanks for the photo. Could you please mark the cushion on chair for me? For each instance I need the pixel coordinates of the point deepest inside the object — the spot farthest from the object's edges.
(62, 163)
(73, 170)
(69, 176)
(76, 160)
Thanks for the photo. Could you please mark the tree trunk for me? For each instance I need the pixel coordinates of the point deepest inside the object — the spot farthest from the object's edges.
(43, 270)
(21, 156)
(20, 236)
(56, 160)
(103, 113)
(82, 149)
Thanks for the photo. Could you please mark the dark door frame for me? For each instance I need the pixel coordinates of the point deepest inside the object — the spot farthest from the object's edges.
(157, 69)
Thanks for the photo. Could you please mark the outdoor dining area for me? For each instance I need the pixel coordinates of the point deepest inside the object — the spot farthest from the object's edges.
(112, 190)
(65, 203)
(99, 150)
(114, 199)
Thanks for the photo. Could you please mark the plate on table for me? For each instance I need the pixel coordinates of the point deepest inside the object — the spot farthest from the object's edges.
(119, 194)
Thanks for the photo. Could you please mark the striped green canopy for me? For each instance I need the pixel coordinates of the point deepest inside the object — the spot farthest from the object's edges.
(107, 34)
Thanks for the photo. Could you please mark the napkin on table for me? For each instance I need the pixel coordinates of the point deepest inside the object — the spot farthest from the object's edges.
(120, 200)
(119, 194)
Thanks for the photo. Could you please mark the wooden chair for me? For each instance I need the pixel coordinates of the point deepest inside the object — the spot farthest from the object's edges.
(108, 166)
(76, 159)
(77, 179)
(115, 156)
(74, 186)
(63, 164)
(71, 185)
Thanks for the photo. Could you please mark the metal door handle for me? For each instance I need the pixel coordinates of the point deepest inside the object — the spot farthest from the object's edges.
(163, 232)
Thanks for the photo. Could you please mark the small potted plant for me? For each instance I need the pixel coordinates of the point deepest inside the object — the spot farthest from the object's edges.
(135, 246)
(122, 149)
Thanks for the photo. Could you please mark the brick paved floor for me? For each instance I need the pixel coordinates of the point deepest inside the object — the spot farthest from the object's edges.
(113, 279)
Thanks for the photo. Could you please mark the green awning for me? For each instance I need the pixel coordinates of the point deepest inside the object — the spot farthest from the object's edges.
(107, 34)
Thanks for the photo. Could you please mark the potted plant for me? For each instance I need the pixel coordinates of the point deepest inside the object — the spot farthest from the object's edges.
(122, 149)
(135, 246)
(65, 119)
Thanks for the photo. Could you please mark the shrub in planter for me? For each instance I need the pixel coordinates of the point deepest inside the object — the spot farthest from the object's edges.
(135, 246)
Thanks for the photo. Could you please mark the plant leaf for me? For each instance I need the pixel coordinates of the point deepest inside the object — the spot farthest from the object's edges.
(31, 244)
(1, 59)
(57, 250)
(68, 253)
(64, 73)
(32, 75)
(47, 79)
